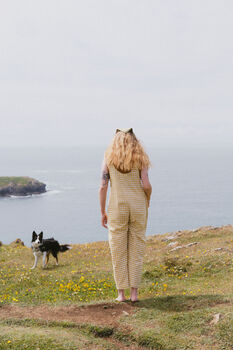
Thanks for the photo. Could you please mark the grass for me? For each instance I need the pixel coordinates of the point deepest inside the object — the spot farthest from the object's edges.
(24, 334)
(17, 180)
(78, 278)
(180, 293)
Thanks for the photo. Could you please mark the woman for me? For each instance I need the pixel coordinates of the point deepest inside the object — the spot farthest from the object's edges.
(126, 166)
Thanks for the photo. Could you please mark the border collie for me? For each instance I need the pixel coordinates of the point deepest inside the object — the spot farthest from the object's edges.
(46, 247)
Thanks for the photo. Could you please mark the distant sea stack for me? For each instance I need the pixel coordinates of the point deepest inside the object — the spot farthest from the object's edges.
(20, 186)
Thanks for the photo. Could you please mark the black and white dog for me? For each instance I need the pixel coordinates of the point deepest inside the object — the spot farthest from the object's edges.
(46, 247)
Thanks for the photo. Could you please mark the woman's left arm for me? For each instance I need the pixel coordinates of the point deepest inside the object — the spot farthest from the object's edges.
(103, 194)
(146, 184)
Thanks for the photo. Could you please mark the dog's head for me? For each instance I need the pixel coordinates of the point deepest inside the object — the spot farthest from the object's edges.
(37, 239)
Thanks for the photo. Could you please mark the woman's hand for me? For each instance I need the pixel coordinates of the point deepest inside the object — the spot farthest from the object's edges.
(104, 220)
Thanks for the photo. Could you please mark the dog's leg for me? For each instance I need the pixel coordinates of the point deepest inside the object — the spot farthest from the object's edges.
(44, 257)
(54, 254)
(47, 258)
(35, 262)
(56, 260)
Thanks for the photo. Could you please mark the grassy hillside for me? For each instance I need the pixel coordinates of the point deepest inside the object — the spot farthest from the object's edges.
(17, 180)
(185, 296)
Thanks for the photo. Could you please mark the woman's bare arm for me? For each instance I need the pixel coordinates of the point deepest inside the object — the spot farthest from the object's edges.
(146, 184)
(103, 194)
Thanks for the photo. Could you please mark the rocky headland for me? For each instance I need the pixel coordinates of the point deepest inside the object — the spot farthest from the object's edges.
(20, 186)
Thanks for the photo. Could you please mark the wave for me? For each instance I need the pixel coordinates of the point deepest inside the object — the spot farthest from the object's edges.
(47, 193)
(50, 192)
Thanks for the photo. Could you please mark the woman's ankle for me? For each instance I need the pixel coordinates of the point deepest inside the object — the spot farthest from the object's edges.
(121, 292)
(133, 293)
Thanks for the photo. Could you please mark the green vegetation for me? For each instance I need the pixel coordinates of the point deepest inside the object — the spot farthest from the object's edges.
(16, 180)
(180, 294)
(83, 275)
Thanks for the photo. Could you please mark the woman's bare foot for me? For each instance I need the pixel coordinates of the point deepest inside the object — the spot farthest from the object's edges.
(134, 294)
(121, 295)
(120, 299)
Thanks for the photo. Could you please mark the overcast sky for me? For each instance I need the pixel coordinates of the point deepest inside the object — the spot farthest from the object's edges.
(72, 71)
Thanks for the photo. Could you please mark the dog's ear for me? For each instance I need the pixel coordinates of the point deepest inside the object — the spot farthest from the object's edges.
(34, 235)
(41, 236)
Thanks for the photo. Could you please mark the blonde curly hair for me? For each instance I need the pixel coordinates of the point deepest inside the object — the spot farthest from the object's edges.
(126, 152)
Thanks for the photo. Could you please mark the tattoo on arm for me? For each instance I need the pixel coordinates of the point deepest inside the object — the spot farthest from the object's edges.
(105, 178)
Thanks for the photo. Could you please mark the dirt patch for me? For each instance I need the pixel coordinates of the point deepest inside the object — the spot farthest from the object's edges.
(101, 314)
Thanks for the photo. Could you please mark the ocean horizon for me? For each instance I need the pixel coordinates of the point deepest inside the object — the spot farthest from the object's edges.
(192, 187)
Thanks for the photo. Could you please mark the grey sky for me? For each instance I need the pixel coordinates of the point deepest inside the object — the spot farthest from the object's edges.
(163, 67)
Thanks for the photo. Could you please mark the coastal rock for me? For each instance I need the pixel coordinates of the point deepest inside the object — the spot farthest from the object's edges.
(216, 319)
(184, 246)
(169, 238)
(18, 242)
(190, 244)
(225, 249)
(20, 186)
(172, 244)
(176, 248)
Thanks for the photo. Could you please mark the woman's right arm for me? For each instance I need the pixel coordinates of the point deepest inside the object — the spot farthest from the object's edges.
(103, 193)
(146, 184)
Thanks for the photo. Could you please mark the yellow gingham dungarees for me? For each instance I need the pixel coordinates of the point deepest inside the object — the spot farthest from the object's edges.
(127, 220)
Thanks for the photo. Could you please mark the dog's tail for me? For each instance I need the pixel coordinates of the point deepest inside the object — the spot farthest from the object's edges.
(64, 248)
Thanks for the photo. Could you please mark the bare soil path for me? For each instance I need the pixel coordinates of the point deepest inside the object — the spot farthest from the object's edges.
(99, 314)
(104, 314)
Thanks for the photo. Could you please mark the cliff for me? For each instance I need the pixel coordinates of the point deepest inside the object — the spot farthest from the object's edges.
(185, 296)
(20, 186)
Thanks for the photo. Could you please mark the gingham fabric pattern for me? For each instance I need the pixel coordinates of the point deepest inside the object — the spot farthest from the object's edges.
(127, 220)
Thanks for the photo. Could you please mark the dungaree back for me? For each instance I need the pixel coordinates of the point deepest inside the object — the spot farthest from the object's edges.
(127, 220)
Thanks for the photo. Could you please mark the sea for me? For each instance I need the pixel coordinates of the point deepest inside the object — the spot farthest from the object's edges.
(192, 187)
